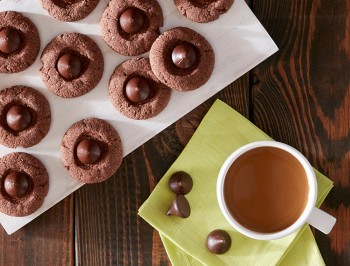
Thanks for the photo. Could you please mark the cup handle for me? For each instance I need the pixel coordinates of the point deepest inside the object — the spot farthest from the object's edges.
(321, 220)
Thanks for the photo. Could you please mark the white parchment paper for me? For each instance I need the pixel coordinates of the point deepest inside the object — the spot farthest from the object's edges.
(239, 42)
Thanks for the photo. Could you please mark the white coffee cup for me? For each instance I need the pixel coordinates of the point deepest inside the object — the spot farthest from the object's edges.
(311, 214)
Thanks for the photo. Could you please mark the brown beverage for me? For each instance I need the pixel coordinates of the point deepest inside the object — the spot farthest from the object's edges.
(266, 189)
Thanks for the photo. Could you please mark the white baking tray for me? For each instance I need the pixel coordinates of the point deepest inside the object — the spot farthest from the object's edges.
(239, 41)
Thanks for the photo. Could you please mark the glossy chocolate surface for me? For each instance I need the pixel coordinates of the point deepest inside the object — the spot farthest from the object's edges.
(180, 207)
(18, 118)
(202, 3)
(184, 56)
(132, 20)
(138, 90)
(16, 184)
(218, 241)
(65, 3)
(70, 66)
(10, 40)
(89, 151)
(180, 183)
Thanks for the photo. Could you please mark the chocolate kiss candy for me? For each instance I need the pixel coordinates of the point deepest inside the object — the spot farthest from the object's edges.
(69, 2)
(184, 56)
(18, 118)
(89, 151)
(218, 241)
(10, 40)
(70, 66)
(138, 90)
(132, 20)
(180, 207)
(16, 184)
(180, 183)
(203, 3)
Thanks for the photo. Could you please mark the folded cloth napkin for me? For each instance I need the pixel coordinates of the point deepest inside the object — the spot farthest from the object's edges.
(222, 131)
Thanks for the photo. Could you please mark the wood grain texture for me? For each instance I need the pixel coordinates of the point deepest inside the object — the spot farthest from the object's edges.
(303, 96)
(49, 240)
(108, 229)
(300, 96)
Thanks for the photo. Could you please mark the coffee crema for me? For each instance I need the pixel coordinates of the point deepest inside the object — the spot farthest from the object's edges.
(266, 189)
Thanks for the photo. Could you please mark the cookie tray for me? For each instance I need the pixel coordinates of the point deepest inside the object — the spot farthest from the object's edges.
(239, 41)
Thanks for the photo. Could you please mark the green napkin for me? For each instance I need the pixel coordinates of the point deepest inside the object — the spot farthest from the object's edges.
(222, 131)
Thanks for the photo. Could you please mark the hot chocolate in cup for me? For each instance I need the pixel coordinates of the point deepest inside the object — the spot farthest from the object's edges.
(267, 190)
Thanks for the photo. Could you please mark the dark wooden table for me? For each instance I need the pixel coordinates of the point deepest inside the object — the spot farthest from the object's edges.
(300, 96)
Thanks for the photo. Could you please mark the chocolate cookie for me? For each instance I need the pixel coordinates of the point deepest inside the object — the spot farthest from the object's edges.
(203, 11)
(19, 42)
(182, 59)
(136, 92)
(72, 65)
(130, 27)
(25, 117)
(69, 10)
(91, 150)
(24, 184)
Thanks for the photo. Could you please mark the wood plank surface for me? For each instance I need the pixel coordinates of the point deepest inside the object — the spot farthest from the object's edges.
(300, 96)
(49, 240)
(108, 229)
(303, 98)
